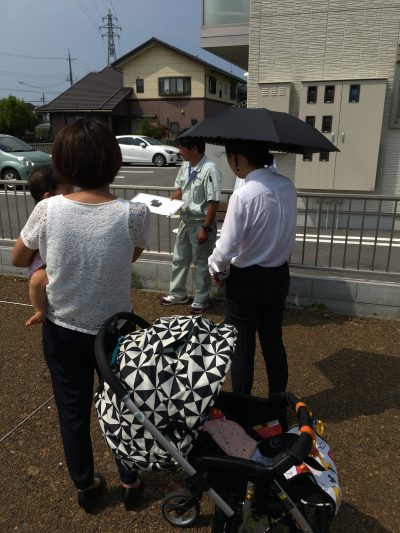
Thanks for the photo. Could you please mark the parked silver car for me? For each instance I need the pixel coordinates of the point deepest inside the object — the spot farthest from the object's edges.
(143, 149)
(18, 158)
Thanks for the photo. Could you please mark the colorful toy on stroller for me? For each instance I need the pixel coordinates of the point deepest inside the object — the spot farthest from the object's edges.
(160, 408)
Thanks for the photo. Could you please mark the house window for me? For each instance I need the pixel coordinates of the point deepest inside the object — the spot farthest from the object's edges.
(326, 124)
(225, 88)
(174, 86)
(212, 85)
(354, 94)
(307, 157)
(139, 85)
(310, 120)
(220, 89)
(174, 127)
(312, 92)
(329, 96)
(324, 156)
(233, 90)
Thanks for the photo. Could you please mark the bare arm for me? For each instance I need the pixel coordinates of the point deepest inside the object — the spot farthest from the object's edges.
(211, 212)
(177, 195)
(202, 236)
(137, 252)
(21, 255)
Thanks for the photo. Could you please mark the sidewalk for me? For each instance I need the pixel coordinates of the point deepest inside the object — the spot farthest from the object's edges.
(347, 369)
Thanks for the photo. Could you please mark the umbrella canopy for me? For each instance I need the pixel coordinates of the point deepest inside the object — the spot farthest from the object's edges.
(281, 131)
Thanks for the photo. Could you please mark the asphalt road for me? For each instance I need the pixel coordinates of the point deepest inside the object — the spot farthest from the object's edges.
(147, 175)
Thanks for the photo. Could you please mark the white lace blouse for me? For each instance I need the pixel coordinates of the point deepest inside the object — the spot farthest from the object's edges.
(88, 250)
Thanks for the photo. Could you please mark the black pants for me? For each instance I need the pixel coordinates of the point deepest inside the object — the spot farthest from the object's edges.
(255, 300)
(71, 361)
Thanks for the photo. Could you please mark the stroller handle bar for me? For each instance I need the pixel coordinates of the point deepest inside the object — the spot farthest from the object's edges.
(294, 456)
(123, 323)
(105, 343)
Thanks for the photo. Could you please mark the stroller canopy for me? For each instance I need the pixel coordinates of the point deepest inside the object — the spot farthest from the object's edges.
(174, 371)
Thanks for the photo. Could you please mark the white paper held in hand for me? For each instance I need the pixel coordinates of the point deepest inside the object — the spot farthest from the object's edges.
(160, 205)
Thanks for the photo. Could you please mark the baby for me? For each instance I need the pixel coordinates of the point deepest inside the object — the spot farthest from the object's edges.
(44, 182)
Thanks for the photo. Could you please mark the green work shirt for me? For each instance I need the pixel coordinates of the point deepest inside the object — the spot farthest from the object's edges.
(204, 186)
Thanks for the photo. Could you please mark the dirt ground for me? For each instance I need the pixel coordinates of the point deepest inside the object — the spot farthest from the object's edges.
(347, 369)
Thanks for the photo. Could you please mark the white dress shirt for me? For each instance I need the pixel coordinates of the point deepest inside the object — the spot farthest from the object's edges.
(260, 224)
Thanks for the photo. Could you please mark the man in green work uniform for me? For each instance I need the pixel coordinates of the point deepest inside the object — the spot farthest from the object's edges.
(198, 184)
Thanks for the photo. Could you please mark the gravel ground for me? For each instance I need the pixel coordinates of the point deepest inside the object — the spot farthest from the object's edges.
(347, 369)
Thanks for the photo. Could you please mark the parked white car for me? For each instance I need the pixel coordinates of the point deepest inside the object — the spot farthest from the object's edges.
(143, 149)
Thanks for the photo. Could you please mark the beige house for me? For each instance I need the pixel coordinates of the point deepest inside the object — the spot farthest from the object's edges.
(333, 64)
(174, 87)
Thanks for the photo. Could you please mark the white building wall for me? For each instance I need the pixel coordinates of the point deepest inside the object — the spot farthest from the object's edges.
(294, 40)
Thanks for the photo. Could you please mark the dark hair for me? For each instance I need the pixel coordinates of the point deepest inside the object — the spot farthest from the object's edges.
(43, 179)
(256, 152)
(87, 154)
(187, 142)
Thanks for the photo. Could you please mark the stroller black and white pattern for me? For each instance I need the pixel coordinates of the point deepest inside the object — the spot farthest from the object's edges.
(175, 369)
(159, 383)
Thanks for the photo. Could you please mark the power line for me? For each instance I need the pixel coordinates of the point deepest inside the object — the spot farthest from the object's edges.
(11, 74)
(25, 91)
(97, 9)
(28, 57)
(88, 14)
(42, 87)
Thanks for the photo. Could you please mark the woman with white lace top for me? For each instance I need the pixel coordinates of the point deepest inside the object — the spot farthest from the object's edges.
(88, 240)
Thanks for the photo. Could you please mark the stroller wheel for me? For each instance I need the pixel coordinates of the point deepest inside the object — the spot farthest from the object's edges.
(180, 508)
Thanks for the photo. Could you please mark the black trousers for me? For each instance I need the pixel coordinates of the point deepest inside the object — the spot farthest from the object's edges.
(71, 361)
(255, 301)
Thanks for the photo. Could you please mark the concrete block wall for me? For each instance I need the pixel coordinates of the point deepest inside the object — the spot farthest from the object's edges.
(342, 295)
(349, 296)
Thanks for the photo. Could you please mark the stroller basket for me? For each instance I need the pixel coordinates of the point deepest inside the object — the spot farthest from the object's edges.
(134, 415)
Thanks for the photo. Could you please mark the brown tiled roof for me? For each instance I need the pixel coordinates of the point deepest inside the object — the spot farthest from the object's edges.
(154, 40)
(97, 91)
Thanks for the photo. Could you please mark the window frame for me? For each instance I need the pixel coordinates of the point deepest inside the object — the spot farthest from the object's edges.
(173, 80)
(139, 85)
(359, 93)
(174, 127)
(332, 88)
(212, 85)
(314, 87)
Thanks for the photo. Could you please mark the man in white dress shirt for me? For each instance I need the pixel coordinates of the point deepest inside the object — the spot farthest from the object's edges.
(252, 255)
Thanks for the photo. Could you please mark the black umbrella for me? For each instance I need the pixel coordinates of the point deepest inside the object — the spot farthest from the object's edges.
(281, 131)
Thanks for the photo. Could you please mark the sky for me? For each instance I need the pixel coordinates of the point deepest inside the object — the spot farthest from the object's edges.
(37, 35)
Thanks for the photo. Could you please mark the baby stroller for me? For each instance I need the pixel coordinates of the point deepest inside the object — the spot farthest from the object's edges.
(159, 385)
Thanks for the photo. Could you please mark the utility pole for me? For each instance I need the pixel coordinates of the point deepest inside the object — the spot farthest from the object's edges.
(43, 102)
(110, 33)
(70, 78)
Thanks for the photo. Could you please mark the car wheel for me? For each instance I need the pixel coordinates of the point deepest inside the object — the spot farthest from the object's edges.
(159, 160)
(9, 174)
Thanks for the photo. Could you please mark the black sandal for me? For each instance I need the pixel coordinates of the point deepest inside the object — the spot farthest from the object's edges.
(87, 498)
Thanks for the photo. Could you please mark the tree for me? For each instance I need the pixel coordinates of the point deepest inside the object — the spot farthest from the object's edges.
(15, 117)
(152, 128)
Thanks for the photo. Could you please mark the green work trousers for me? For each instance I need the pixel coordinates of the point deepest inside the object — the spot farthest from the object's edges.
(187, 251)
